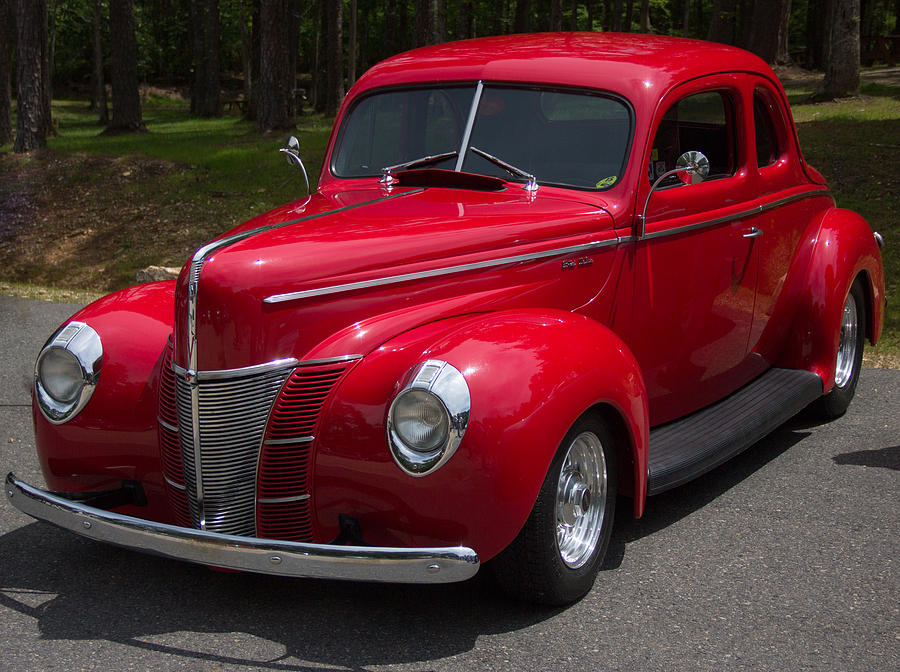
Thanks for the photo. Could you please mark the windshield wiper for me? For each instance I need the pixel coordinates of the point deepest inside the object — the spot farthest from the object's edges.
(509, 168)
(387, 172)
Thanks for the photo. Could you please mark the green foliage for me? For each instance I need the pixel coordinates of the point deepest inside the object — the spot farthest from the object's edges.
(231, 157)
(854, 143)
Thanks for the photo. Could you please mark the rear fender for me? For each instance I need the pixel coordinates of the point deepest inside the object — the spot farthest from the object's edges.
(531, 374)
(844, 250)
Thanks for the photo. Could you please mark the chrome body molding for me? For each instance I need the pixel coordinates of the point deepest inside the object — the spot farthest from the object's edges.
(753, 212)
(329, 360)
(289, 442)
(177, 486)
(243, 372)
(251, 554)
(878, 239)
(437, 272)
(256, 369)
(171, 428)
(282, 500)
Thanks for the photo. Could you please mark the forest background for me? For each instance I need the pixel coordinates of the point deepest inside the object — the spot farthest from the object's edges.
(88, 196)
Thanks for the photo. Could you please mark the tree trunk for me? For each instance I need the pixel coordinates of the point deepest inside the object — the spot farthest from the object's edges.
(392, 29)
(818, 33)
(246, 55)
(573, 21)
(629, 15)
(522, 20)
(422, 7)
(274, 81)
(645, 16)
(590, 14)
(555, 15)
(437, 28)
(30, 35)
(292, 31)
(352, 45)
(743, 23)
(48, 47)
(335, 88)
(255, 60)
(205, 95)
(867, 18)
(466, 20)
(842, 66)
(98, 85)
(7, 28)
(769, 28)
(126, 99)
(320, 69)
(686, 18)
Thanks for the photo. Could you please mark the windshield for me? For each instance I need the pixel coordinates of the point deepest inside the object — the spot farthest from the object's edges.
(568, 138)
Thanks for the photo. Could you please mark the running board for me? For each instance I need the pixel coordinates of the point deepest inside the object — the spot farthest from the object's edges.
(684, 449)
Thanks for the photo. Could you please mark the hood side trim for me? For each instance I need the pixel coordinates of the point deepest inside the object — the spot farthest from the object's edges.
(437, 272)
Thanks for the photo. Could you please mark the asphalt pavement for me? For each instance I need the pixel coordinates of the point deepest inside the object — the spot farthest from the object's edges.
(785, 558)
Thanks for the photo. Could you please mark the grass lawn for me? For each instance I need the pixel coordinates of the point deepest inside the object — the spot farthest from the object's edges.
(82, 217)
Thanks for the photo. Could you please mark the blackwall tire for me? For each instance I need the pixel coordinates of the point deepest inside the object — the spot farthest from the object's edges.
(556, 556)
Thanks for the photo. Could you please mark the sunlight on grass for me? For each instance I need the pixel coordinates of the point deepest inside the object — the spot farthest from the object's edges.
(235, 158)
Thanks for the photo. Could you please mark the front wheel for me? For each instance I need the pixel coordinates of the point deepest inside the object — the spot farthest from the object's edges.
(555, 558)
(849, 357)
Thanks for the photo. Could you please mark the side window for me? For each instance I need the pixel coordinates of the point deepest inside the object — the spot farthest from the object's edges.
(767, 149)
(701, 122)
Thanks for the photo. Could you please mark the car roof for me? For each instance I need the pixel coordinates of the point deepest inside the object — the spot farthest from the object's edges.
(619, 62)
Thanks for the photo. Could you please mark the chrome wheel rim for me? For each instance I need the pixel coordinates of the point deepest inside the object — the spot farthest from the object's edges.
(581, 500)
(846, 356)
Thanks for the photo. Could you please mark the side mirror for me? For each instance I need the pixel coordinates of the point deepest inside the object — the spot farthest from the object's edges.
(691, 168)
(291, 152)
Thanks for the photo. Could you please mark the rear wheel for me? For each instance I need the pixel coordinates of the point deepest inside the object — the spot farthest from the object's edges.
(849, 357)
(555, 558)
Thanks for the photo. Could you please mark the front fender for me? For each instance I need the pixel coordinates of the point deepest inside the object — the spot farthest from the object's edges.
(531, 374)
(844, 249)
(114, 438)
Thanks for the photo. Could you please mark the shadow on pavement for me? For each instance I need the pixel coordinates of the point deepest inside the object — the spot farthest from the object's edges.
(886, 458)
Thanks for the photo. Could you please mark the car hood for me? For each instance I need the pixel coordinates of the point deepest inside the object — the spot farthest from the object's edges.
(351, 255)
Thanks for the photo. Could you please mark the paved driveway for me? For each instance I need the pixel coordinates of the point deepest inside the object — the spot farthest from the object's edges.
(786, 558)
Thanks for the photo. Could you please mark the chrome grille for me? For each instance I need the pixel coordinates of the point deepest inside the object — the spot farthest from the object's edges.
(169, 445)
(232, 418)
(283, 484)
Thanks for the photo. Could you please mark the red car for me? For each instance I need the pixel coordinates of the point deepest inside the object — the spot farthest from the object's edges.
(538, 272)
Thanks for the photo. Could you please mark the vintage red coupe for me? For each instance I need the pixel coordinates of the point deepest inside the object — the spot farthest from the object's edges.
(538, 272)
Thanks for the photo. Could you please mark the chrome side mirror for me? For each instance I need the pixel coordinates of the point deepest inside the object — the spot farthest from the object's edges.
(691, 168)
(291, 152)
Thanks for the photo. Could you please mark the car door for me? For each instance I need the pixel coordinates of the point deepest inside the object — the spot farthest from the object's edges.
(788, 202)
(696, 260)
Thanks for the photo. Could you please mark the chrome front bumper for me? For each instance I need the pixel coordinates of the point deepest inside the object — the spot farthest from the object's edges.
(266, 556)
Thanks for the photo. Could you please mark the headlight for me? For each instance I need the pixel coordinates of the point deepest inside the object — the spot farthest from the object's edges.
(60, 375)
(66, 371)
(428, 418)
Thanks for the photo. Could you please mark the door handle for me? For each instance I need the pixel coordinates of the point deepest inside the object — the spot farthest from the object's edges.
(754, 232)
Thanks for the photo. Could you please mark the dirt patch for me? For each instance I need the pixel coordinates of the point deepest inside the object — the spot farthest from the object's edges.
(75, 220)
(792, 76)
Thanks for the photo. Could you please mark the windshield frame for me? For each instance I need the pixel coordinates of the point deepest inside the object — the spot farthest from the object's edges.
(479, 87)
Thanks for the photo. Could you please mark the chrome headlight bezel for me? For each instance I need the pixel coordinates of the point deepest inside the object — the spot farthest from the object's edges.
(80, 341)
(446, 386)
